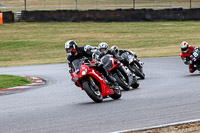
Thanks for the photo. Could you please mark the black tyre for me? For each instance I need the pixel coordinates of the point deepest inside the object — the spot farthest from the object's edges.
(117, 93)
(138, 72)
(94, 95)
(135, 85)
(122, 83)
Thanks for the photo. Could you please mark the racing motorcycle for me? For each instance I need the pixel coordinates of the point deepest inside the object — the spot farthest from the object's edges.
(195, 56)
(124, 76)
(134, 65)
(89, 79)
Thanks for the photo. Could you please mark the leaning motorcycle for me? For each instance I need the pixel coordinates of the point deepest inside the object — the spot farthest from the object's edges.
(135, 66)
(85, 76)
(195, 56)
(124, 76)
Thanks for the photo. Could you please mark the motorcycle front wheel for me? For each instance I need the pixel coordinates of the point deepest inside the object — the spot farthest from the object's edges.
(122, 83)
(138, 72)
(96, 96)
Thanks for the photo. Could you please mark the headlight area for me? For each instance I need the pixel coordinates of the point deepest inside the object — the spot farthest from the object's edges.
(75, 79)
(84, 72)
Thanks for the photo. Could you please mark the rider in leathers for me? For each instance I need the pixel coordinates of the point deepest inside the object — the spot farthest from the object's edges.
(117, 54)
(186, 50)
(74, 52)
(115, 51)
(103, 48)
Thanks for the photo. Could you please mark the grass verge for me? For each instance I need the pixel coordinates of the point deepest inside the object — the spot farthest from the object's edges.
(7, 81)
(42, 43)
(182, 128)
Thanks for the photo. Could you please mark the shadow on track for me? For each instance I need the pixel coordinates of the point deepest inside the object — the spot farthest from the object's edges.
(105, 101)
(192, 75)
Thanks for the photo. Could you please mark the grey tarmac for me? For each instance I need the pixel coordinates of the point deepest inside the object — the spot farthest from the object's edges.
(169, 94)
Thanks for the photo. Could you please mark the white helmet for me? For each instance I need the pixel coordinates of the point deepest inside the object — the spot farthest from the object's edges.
(103, 45)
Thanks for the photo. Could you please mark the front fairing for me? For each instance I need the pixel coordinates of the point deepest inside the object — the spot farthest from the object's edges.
(83, 72)
(79, 71)
(76, 65)
(129, 57)
(109, 62)
(195, 56)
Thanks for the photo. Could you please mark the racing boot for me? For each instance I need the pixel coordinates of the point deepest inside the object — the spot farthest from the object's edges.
(192, 68)
(110, 79)
(113, 82)
(141, 63)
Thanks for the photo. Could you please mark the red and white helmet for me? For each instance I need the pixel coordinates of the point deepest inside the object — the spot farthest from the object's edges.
(184, 47)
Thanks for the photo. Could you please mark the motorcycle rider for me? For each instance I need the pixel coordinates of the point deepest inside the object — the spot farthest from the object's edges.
(74, 52)
(186, 50)
(104, 50)
(117, 53)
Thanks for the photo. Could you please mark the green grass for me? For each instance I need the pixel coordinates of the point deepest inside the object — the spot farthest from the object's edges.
(41, 43)
(7, 81)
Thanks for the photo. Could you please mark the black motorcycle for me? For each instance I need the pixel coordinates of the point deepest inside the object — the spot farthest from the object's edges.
(122, 74)
(134, 65)
(195, 57)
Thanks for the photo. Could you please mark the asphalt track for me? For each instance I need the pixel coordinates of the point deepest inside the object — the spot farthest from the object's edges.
(168, 94)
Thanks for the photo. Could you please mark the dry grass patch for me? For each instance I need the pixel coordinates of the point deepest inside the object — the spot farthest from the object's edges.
(158, 51)
(183, 128)
(35, 43)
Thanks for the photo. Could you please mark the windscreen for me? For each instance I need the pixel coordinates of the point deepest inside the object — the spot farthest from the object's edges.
(76, 65)
(125, 55)
(107, 61)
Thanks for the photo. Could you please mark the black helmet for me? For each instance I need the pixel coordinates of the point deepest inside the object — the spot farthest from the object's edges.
(114, 50)
(71, 47)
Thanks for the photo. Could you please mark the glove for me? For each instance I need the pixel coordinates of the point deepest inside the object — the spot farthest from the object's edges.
(93, 62)
(70, 72)
(187, 62)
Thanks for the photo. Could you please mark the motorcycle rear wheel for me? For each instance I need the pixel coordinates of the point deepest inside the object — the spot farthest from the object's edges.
(135, 85)
(117, 94)
(96, 97)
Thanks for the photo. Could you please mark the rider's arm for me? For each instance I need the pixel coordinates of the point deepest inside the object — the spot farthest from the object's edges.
(130, 52)
(69, 64)
(88, 53)
(185, 59)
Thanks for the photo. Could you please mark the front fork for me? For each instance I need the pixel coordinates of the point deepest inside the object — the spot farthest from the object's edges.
(93, 84)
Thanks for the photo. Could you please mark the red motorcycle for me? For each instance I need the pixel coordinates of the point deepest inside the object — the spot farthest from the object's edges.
(89, 79)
